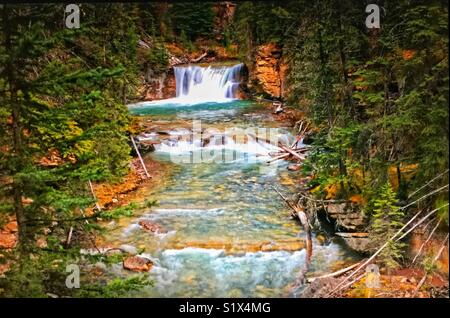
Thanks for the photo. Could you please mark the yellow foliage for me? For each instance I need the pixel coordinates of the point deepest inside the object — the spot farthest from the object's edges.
(407, 172)
(357, 176)
(331, 191)
(357, 198)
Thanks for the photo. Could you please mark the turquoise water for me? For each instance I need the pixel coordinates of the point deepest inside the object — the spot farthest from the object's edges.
(228, 234)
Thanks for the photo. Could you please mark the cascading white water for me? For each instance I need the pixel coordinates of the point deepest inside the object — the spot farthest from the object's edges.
(196, 84)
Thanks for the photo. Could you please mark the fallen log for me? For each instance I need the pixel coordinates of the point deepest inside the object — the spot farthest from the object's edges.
(334, 274)
(292, 152)
(93, 195)
(140, 158)
(69, 237)
(301, 215)
(342, 284)
(198, 59)
(278, 158)
(435, 259)
(267, 141)
(426, 241)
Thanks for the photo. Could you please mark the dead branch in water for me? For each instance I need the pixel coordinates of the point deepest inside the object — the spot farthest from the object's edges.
(292, 151)
(289, 203)
(300, 214)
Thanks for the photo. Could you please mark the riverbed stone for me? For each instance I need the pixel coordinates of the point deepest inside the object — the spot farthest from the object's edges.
(137, 264)
(151, 226)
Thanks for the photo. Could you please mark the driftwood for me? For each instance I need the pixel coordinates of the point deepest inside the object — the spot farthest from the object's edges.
(198, 59)
(140, 158)
(281, 155)
(419, 285)
(299, 213)
(426, 241)
(93, 195)
(289, 150)
(334, 274)
(267, 141)
(342, 285)
(421, 221)
(279, 107)
(428, 183)
(293, 150)
(278, 157)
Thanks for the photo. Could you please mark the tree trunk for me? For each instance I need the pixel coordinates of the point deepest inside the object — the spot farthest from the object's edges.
(323, 63)
(347, 94)
(17, 150)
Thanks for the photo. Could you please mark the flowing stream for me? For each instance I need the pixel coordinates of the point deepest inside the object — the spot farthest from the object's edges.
(226, 231)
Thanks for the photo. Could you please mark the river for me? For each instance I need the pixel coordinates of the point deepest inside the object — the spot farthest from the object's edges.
(226, 231)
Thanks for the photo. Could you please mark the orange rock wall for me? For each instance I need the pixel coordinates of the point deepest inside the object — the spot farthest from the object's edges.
(268, 73)
(160, 87)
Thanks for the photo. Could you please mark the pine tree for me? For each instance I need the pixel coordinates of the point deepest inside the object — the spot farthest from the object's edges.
(58, 99)
(194, 19)
(387, 219)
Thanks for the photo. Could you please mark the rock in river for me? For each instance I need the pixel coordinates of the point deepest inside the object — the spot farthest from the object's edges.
(151, 226)
(137, 264)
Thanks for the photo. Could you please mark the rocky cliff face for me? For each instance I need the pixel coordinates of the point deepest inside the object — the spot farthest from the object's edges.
(268, 72)
(156, 87)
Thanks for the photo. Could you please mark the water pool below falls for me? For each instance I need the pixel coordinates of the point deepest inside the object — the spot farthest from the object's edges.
(228, 232)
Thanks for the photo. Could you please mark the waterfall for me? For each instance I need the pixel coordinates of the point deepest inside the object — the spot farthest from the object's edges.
(196, 84)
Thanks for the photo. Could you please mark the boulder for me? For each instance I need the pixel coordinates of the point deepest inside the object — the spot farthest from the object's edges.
(137, 264)
(151, 226)
(358, 241)
(336, 208)
(347, 216)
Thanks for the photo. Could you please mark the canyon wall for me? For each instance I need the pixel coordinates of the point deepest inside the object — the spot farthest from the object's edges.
(268, 71)
(156, 87)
